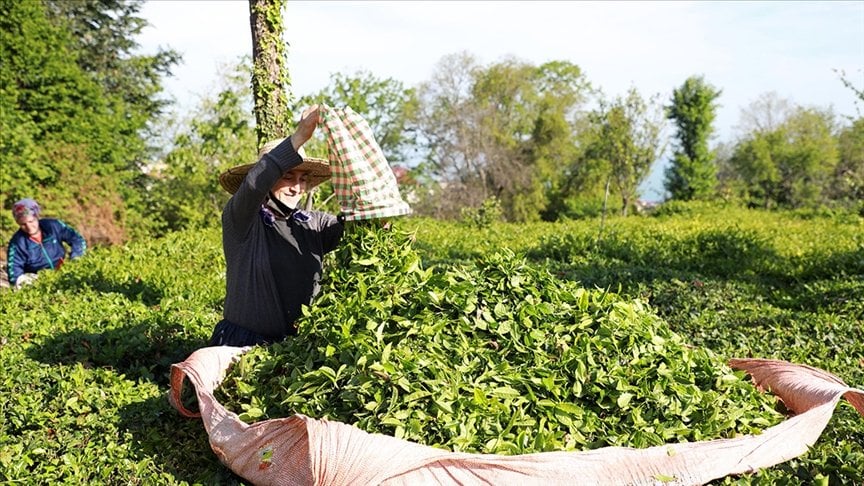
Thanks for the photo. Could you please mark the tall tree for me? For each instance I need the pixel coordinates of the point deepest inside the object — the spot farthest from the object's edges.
(103, 36)
(448, 129)
(554, 144)
(790, 165)
(67, 141)
(498, 131)
(693, 173)
(627, 141)
(506, 97)
(849, 175)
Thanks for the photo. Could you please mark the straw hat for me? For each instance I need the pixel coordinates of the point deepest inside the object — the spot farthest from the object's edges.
(317, 170)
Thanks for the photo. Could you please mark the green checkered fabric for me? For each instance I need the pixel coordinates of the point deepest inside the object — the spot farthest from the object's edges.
(363, 182)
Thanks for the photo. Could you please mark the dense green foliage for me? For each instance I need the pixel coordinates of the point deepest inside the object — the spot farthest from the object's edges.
(625, 141)
(85, 351)
(493, 356)
(790, 165)
(76, 106)
(84, 131)
(103, 37)
(84, 105)
(85, 357)
(848, 185)
(521, 134)
(661, 301)
(184, 191)
(507, 130)
(693, 171)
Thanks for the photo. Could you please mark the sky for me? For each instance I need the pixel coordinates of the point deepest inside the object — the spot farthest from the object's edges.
(745, 49)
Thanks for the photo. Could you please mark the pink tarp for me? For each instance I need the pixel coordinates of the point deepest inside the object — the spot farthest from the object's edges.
(305, 451)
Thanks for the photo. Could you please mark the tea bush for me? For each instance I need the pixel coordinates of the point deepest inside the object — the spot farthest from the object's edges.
(84, 360)
(494, 356)
(85, 351)
(739, 282)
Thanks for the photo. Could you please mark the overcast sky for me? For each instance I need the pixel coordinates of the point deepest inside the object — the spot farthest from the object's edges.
(743, 48)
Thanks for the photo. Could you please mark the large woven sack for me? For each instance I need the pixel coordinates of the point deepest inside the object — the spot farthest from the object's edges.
(301, 450)
(363, 181)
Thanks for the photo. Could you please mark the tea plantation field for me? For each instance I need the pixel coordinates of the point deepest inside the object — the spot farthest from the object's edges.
(85, 351)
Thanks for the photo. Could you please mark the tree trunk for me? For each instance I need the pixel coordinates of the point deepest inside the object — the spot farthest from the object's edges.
(270, 81)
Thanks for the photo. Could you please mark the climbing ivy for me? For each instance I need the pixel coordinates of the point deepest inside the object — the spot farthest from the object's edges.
(270, 79)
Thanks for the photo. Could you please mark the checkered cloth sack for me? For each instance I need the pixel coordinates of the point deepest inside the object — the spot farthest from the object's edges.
(363, 182)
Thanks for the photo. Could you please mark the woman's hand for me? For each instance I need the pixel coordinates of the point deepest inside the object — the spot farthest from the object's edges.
(306, 127)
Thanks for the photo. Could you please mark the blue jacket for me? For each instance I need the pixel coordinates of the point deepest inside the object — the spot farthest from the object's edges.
(27, 256)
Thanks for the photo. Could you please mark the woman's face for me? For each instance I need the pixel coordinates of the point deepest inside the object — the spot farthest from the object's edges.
(29, 225)
(290, 188)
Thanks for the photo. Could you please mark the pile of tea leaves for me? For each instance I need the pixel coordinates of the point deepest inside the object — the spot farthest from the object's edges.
(488, 356)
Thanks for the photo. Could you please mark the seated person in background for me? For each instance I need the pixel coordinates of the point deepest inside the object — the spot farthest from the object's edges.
(38, 244)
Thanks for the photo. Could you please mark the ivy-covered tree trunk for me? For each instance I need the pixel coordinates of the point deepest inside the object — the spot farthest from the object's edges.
(270, 80)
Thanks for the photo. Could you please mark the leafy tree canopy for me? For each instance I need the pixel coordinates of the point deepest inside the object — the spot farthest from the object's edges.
(789, 162)
(693, 108)
(76, 107)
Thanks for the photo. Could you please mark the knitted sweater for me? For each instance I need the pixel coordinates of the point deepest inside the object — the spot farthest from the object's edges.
(273, 267)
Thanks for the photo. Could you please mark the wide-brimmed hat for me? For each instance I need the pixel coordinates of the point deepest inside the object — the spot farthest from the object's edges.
(317, 170)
